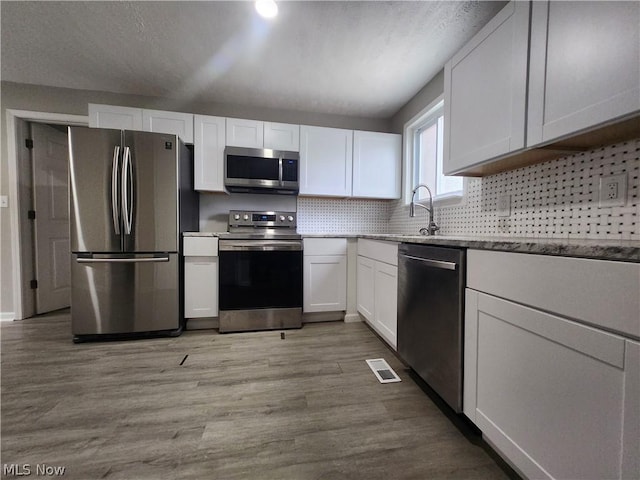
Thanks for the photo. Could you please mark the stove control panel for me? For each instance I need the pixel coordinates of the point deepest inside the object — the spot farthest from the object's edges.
(244, 218)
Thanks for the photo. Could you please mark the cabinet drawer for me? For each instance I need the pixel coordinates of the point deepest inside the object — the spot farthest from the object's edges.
(200, 246)
(325, 246)
(600, 292)
(386, 252)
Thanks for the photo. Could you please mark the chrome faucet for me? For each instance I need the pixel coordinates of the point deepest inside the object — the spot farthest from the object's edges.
(432, 228)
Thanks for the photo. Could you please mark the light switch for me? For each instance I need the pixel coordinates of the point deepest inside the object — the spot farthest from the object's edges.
(4, 201)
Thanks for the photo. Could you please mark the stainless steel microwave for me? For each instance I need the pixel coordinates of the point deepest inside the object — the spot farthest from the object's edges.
(257, 170)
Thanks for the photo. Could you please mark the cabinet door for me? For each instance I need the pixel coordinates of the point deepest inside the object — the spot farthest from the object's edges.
(547, 391)
(365, 278)
(485, 92)
(175, 123)
(326, 158)
(200, 287)
(631, 411)
(245, 133)
(584, 66)
(386, 301)
(111, 116)
(325, 283)
(282, 136)
(377, 164)
(208, 154)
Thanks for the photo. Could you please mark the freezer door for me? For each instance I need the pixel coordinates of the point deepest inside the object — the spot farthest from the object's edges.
(114, 294)
(94, 189)
(150, 192)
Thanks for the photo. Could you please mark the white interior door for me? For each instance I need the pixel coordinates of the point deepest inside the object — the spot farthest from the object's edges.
(51, 198)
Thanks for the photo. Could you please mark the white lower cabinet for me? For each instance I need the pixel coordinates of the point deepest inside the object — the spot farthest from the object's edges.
(366, 287)
(200, 277)
(386, 302)
(377, 287)
(324, 275)
(558, 398)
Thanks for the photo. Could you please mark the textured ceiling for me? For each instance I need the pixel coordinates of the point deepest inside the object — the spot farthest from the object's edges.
(349, 58)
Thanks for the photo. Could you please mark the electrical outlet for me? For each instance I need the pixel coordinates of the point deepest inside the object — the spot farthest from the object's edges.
(4, 201)
(504, 205)
(612, 191)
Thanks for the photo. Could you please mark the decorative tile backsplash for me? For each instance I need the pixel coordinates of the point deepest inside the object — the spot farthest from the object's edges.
(555, 199)
(331, 215)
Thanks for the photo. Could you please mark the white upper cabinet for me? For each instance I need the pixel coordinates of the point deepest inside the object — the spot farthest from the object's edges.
(377, 164)
(584, 68)
(258, 134)
(508, 92)
(176, 123)
(128, 118)
(282, 136)
(245, 133)
(326, 159)
(208, 153)
(485, 92)
(112, 116)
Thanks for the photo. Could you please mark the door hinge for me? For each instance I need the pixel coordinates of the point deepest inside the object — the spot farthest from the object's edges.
(33, 284)
(31, 214)
(28, 143)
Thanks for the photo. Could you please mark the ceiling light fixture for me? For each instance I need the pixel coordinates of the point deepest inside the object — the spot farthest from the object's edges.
(267, 8)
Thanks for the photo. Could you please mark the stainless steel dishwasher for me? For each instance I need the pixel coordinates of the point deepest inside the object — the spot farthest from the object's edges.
(430, 316)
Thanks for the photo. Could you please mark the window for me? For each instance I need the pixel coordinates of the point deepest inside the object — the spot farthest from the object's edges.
(424, 137)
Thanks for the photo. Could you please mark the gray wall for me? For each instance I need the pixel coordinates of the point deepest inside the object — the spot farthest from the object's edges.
(428, 93)
(62, 100)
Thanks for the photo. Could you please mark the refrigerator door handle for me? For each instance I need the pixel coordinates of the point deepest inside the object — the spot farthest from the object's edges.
(127, 189)
(122, 260)
(115, 210)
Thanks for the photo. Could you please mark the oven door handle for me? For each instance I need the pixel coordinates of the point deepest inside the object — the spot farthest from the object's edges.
(259, 245)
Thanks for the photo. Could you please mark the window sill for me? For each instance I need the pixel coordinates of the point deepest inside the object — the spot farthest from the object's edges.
(449, 199)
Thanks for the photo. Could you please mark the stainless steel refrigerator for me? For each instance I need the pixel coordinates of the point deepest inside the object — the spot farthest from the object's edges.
(131, 197)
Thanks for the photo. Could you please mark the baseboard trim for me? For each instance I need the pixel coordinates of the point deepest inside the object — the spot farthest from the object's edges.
(7, 316)
(352, 318)
(313, 317)
(205, 323)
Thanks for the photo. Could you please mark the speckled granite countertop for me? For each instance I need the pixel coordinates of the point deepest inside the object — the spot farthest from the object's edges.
(202, 234)
(625, 250)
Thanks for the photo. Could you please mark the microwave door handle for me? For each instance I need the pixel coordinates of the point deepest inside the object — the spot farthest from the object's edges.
(280, 171)
(115, 210)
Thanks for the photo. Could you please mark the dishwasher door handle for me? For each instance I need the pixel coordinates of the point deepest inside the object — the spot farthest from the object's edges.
(434, 263)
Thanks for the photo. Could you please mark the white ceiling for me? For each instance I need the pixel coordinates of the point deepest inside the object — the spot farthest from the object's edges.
(349, 58)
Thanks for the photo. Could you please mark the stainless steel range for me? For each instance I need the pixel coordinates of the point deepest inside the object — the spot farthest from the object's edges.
(260, 261)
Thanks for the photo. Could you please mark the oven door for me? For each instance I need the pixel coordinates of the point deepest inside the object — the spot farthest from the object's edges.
(260, 284)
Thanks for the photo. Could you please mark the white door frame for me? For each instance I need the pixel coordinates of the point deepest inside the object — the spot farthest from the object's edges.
(14, 199)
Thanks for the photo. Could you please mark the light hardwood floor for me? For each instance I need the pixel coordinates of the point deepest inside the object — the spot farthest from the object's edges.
(241, 406)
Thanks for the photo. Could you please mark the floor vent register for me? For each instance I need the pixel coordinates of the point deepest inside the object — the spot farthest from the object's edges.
(383, 371)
